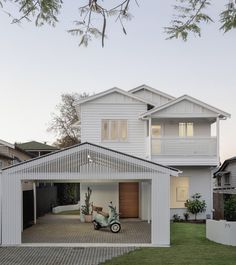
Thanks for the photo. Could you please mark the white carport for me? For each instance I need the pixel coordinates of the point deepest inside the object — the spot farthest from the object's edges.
(85, 162)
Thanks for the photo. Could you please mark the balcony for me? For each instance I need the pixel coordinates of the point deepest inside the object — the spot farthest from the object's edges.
(183, 151)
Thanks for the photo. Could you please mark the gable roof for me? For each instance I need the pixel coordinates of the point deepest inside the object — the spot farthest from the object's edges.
(36, 146)
(222, 114)
(151, 89)
(224, 165)
(85, 153)
(7, 144)
(109, 91)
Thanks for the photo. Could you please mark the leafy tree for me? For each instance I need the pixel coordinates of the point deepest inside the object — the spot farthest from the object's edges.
(63, 121)
(95, 14)
(195, 205)
(230, 208)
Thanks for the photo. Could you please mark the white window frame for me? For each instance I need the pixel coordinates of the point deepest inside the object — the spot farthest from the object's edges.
(118, 139)
(185, 127)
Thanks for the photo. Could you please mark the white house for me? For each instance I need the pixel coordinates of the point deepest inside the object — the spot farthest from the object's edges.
(178, 132)
(132, 143)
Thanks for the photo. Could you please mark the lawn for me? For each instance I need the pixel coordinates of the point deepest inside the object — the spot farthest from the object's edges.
(188, 247)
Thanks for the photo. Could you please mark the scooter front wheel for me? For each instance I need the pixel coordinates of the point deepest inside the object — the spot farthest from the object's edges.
(115, 228)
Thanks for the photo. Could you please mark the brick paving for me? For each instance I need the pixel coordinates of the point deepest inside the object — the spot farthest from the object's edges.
(69, 229)
(58, 255)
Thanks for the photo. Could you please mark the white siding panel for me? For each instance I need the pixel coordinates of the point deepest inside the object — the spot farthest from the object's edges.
(200, 179)
(232, 168)
(153, 97)
(92, 114)
(185, 108)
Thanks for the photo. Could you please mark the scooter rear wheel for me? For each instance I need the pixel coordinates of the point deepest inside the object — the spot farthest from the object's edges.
(115, 228)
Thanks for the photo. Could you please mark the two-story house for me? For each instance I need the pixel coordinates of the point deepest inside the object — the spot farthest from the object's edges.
(179, 132)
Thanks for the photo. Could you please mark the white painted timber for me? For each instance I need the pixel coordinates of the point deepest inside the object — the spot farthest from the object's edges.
(199, 181)
(65, 166)
(161, 211)
(93, 114)
(157, 99)
(222, 232)
(193, 146)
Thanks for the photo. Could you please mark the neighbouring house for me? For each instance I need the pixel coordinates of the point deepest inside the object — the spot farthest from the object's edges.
(35, 148)
(179, 132)
(144, 150)
(11, 154)
(225, 185)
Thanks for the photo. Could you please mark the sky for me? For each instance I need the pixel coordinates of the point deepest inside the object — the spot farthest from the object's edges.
(37, 65)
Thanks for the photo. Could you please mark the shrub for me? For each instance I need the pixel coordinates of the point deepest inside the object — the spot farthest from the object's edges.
(230, 208)
(186, 216)
(195, 205)
(85, 209)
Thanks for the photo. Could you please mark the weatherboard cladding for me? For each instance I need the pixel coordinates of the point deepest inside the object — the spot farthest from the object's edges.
(91, 158)
(92, 114)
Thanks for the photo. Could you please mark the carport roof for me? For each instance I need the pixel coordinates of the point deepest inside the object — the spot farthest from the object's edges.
(72, 158)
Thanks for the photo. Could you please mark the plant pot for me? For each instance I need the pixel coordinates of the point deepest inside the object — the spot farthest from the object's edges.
(88, 218)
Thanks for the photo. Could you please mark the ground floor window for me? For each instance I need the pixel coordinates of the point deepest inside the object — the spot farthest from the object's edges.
(179, 191)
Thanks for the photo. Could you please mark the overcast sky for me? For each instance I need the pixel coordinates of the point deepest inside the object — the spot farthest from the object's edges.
(37, 65)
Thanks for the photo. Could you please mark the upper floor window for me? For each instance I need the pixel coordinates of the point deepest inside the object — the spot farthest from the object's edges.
(114, 130)
(218, 181)
(156, 130)
(227, 179)
(185, 129)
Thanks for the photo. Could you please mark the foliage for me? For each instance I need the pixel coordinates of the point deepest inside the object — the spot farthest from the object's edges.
(188, 19)
(95, 14)
(186, 216)
(189, 246)
(230, 208)
(195, 205)
(176, 218)
(67, 193)
(62, 123)
(85, 209)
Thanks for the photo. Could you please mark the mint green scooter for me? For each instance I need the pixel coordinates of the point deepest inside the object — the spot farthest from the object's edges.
(104, 220)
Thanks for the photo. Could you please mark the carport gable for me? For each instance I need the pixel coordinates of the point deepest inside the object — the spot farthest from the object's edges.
(87, 161)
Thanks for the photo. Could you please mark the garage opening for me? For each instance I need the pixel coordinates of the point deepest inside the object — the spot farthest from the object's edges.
(67, 225)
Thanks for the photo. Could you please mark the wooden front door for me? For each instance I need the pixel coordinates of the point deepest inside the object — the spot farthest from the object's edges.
(129, 199)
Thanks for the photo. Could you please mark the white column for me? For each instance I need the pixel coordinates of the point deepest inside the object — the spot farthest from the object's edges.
(218, 137)
(35, 203)
(161, 210)
(150, 137)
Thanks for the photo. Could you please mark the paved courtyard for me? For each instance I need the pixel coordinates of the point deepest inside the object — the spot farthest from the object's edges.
(58, 255)
(68, 229)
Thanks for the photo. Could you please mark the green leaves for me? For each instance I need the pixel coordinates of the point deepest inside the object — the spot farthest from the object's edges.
(195, 205)
(188, 19)
(228, 18)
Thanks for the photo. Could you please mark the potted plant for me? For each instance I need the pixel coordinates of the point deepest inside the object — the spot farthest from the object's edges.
(86, 208)
(186, 216)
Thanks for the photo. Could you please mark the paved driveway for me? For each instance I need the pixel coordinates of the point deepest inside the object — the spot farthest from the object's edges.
(68, 229)
(58, 256)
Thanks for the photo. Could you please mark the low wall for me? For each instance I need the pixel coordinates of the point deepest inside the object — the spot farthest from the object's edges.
(65, 208)
(222, 232)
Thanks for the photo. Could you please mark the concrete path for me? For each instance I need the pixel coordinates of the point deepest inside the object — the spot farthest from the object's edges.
(58, 256)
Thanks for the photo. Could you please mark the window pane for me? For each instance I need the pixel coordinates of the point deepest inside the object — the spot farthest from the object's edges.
(114, 129)
(156, 146)
(182, 132)
(123, 130)
(156, 130)
(105, 130)
(189, 129)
